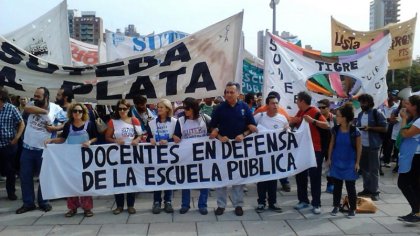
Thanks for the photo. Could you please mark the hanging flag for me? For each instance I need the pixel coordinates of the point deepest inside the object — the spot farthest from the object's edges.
(46, 37)
(120, 46)
(197, 66)
(339, 76)
(400, 54)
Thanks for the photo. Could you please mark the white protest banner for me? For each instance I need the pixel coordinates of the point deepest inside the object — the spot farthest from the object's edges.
(70, 170)
(400, 54)
(47, 37)
(120, 46)
(84, 53)
(197, 66)
(339, 76)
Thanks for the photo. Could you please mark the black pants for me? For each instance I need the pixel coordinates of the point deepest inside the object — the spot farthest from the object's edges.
(351, 192)
(409, 184)
(7, 157)
(267, 188)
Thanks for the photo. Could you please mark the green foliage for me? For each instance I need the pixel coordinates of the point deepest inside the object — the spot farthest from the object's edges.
(401, 77)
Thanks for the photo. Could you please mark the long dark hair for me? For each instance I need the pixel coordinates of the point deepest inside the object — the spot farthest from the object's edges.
(125, 103)
(191, 103)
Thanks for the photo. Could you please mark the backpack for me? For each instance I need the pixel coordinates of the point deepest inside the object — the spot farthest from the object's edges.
(352, 133)
(382, 135)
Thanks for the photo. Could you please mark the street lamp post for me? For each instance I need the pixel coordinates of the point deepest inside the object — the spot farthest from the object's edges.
(273, 4)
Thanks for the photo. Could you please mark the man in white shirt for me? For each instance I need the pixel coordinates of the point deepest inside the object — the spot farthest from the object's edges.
(41, 115)
(270, 120)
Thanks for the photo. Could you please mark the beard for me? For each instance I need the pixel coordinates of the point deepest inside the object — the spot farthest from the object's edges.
(39, 103)
(60, 102)
(364, 108)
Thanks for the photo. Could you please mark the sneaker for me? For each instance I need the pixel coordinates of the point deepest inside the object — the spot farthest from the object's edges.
(25, 209)
(412, 218)
(364, 193)
(330, 188)
(260, 208)
(316, 210)
(117, 211)
(46, 207)
(131, 210)
(275, 208)
(334, 211)
(168, 207)
(203, 211)
(183, 210)
(351, 214)
(219, 211)
(285, 187)
(156, 208)
(239, 211)
(375, 197)
(245, 189)
(301, 205)
(387, 165)
(402, 218)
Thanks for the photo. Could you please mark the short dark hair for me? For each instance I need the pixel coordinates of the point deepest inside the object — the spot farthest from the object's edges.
(46, 92)
(275, 94)
(367, 98)
(325, 102)
(67, 92)
(347, 111)
(269, 97)
(192, 103)
(249, 97)
(304, 96)
(4, 94)
(138, 99)
(233, 83)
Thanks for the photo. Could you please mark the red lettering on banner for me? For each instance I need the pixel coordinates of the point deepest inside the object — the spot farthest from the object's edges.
(86, 57)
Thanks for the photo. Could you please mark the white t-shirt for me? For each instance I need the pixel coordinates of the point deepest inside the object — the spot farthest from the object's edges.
(396, 128)
(125, 131)
(36, 132)
(417, 136)
(365, 134)
(192, 128)
(264, 122)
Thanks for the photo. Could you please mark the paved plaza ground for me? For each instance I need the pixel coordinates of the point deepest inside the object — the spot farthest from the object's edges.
(290, 222)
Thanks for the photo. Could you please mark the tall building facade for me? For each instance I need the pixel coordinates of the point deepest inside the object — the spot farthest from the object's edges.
(88, 28)
(284, 35)
(71, 14)
(383, 12)
(131, 31)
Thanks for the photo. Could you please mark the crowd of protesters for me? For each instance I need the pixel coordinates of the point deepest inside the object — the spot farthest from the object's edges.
(349, 144)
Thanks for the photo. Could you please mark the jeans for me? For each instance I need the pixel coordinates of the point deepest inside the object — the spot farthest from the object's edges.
(369, 168)
(167, 196)
(409, 184)
(315, 178)
(7, 156)
(202, 199)
(267, 188)
(351, 191)
(30, 164)
(119, 199)
(237, 196)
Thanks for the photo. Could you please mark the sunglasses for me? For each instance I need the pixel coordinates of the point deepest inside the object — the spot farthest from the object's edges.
(77, 111)
(322, 107)
(122, 108)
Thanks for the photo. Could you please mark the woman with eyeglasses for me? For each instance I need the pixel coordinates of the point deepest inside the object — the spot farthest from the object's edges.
(161, 131)
(77, 130)
(124, 129)
(192, 125)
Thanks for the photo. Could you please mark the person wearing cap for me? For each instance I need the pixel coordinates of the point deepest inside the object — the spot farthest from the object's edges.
(231, 120)
(285, 184)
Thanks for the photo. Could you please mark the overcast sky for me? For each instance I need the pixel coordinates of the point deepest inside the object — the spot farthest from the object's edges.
(308, 19)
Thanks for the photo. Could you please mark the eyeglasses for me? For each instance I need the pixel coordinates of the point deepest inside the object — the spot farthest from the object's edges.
(122, 108)
(77, 111)
(322, 107)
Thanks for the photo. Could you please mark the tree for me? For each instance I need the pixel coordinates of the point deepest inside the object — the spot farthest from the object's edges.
(401, 77)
